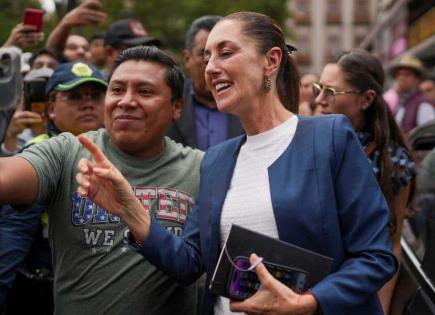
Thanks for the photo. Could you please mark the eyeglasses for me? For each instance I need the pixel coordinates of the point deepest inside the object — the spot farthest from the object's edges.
(78, 97)
(330, 92)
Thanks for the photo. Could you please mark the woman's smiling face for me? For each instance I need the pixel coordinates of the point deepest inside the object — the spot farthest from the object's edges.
(235, 69)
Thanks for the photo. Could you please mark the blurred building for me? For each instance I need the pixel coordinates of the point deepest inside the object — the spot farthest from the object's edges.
(403, 26)
(321, 28)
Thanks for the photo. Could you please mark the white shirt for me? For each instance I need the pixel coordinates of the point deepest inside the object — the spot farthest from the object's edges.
(248, 201)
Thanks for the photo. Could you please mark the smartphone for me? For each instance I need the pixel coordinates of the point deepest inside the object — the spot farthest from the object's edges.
(33, 17)
(35, 99)
(243, 284)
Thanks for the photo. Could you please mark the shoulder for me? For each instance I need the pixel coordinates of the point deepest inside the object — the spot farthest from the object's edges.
(335, 121)
(185, 152)
(334, 129)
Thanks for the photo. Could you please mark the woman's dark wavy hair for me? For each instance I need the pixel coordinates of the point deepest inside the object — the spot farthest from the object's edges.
(363, 71)
(267, 34)
(174, 75)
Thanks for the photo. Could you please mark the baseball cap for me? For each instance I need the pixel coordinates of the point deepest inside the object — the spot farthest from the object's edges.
(69, 75)
(129, 32)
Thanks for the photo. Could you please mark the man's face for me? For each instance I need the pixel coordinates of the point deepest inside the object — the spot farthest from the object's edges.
(428, 88)
(194, 63)
(139, 109)
(77, 48)
(96, 49)
(78, 110)
(45, 61)
(406, 80)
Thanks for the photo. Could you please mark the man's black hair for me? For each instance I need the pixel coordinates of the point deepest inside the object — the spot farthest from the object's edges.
(96, 36)
(48, 51)
(174, 75)
(206, 23)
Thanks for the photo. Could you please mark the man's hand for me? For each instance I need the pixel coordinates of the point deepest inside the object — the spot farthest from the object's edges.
(273, 297)
(89, 12)
(104, 184)
(24, 36)
(20, 120)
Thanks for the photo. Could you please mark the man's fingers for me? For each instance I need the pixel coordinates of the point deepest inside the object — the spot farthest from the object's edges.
(93, 4)
(84, 166)
(99, 157)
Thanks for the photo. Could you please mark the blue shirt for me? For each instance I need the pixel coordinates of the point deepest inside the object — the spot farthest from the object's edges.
(211, 124)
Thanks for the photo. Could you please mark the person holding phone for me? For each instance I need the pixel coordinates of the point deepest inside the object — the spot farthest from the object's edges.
(75, 47)
(259, 181)
(24, 36)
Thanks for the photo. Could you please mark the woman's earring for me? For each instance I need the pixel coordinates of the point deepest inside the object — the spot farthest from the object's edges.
(267, 85)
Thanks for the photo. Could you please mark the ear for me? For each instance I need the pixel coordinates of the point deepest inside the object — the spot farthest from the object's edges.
(186, 57)
(109, 52)
(50, 110)
(178, 106)
(367, 99)
(273, 61)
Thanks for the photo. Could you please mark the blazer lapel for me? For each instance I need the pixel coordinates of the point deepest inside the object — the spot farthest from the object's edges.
(219, 183)
(284, 175)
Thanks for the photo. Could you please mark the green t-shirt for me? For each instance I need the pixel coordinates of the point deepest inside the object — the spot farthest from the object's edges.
(95, 272)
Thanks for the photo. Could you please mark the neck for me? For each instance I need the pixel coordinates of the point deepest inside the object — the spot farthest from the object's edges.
(268, 113)
(206, 101)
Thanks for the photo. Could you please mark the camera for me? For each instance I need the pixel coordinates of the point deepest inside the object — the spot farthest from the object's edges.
(10, 78)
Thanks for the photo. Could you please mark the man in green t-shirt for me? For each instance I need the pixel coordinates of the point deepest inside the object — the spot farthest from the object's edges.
(95, 273)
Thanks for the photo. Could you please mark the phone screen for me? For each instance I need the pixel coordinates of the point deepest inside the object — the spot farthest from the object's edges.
(33, 17)
(244, 284)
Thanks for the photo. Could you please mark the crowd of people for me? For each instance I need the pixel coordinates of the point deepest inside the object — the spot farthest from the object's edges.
(118, 197)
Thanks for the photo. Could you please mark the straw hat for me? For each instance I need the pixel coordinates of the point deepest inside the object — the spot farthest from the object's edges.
(408, 62)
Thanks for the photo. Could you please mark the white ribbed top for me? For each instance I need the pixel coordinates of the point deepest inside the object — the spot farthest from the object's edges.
(248, 202)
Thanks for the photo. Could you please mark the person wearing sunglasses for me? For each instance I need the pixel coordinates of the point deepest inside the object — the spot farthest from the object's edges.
(351, 84)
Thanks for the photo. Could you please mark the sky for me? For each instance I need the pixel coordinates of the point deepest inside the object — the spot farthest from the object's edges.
(47, 5)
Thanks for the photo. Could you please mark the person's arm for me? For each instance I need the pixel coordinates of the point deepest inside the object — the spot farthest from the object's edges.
(89, 12)
(24, 36)
(399, 206)
(18, 181)
(20, 121)
(364, 218)
(17, 232)
(179, 257)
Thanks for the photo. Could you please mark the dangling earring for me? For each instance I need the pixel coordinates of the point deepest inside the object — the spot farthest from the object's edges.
(267, 84)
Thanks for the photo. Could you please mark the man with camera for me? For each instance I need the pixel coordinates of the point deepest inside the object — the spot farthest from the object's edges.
(75, 95)
(94, 271)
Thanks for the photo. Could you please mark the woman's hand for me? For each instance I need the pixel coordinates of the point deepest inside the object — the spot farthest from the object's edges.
(104, 184)
(273, 297)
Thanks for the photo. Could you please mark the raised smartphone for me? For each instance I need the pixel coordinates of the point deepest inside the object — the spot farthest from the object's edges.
(33, 17)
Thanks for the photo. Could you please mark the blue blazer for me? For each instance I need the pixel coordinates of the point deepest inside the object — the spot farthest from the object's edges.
(325, 198)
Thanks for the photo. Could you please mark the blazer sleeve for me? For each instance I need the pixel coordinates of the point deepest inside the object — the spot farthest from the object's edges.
(363, 217)
(178, 257)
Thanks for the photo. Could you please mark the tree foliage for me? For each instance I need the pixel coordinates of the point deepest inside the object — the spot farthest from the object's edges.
(12, 13)
(165, 19)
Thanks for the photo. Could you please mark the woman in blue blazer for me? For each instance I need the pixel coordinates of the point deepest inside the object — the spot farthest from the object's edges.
(302, 180)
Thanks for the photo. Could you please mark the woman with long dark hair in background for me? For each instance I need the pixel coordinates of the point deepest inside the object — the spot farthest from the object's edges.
(352, 84)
